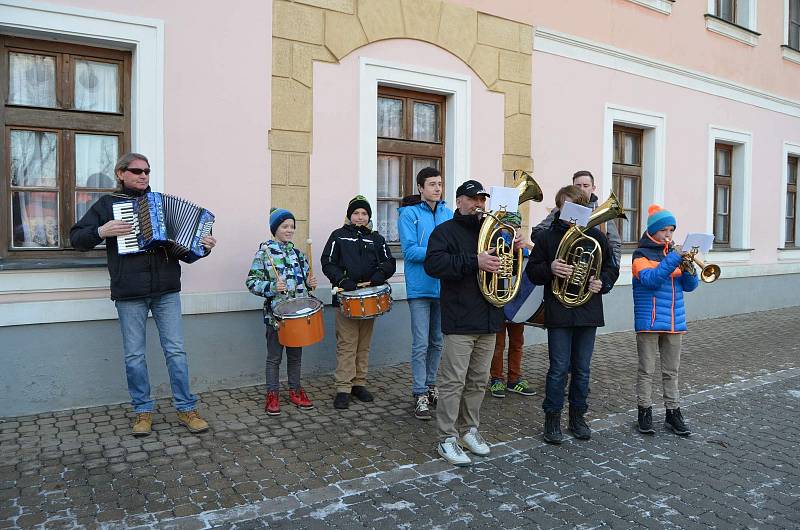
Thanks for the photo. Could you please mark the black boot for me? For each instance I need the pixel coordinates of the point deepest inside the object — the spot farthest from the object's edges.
(577, 425)
(552, 428)
(674, 422)
(362, 394)
(341, 401)
(646, 420)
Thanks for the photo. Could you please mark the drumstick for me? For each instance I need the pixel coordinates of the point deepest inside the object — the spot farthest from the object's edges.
(310, 262)
(274, 268)
(335, 290)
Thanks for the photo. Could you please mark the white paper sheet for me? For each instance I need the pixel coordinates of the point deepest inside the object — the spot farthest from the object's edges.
(575, 213)
(507, 198)
(702, 241)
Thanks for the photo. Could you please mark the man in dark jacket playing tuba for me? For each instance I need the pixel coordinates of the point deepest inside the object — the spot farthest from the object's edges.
(570, 330)
(469, 324)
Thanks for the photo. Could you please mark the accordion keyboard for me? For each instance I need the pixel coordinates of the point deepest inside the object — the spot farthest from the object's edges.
(124, 211)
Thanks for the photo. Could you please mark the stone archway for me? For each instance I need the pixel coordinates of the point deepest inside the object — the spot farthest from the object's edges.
(498, 51)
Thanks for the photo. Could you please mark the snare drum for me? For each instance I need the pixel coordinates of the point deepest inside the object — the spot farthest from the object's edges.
(299, 321)
(367, 302)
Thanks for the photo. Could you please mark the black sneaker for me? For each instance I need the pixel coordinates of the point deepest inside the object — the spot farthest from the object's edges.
(521, 387)
(645, 420)
(674, 422)
(577, 424)
(433, 396)
(497, 388)
(552, 428)
(362, 394)
(421, 410)
(341, 401)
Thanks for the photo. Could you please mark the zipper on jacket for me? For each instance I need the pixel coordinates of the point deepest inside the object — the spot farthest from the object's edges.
(673, 303)
(653, 317)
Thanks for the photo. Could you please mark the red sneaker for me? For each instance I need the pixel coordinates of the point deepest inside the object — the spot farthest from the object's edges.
(272, 404)
(300, 399)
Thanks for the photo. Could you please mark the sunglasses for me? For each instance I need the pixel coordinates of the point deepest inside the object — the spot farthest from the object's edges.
(138, 171)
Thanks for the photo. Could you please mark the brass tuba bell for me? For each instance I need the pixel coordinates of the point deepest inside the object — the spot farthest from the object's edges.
(500, 287)
(583, 252)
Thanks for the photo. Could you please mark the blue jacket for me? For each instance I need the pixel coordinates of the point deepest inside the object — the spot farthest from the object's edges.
(658, 287)
(415, 224)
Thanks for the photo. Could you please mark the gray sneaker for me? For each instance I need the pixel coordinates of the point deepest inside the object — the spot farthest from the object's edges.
(421, 410)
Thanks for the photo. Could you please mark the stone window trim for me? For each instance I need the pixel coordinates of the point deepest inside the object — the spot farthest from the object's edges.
(790, 149)
(741, 180)
(661, 6)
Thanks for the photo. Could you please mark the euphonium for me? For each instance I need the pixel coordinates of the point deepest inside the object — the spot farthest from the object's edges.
(583, 252)
(500, 287)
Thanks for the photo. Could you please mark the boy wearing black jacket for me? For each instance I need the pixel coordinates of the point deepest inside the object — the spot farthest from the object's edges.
(570, 330)
(355, 254)
(469, 324)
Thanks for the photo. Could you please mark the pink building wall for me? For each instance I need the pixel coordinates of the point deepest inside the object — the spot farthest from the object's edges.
(217, 72)
(568, 137)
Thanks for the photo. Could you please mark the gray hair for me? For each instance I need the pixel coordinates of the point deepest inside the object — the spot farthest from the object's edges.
(127, 158)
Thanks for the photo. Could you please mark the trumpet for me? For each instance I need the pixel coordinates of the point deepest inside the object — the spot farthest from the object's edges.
(709, 272)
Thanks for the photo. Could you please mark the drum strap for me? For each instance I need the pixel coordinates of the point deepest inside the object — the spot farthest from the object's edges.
(300, 263)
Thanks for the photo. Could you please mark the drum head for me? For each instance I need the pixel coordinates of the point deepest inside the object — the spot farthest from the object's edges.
(367, 291)
(296, 307)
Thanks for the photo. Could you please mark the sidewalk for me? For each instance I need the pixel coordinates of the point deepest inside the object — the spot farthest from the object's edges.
(82, 467)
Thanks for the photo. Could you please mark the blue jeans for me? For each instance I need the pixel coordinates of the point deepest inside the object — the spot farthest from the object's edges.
(133, 323)
(570, 351)
(426, 345)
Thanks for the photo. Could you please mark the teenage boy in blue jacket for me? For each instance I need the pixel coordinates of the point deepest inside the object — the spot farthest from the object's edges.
(419, 215)
(659, 281)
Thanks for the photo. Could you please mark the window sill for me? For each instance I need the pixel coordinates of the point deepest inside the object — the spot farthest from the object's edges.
(789, 254)
(790, 54)
(733, 31)
(45, 264)
(727, 255)
(662, 6)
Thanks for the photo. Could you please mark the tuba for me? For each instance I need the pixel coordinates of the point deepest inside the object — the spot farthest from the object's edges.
(500, 287)
(583, 252)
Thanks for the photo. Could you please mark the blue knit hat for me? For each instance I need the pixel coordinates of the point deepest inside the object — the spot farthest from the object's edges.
(659, 218)
(278, 216)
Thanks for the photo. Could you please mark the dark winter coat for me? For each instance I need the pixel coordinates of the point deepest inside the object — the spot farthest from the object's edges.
(151, 273)
(557, 315)
(356, 254)
(452, 257)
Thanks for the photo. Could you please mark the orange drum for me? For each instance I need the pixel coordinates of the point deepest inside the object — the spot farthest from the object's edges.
(368, 302)
(299, 321)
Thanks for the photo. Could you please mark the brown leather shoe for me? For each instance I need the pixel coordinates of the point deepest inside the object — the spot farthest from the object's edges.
(143, 425)
(192, 420)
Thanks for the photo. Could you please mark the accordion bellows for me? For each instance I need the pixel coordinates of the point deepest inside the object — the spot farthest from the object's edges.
(165, 220)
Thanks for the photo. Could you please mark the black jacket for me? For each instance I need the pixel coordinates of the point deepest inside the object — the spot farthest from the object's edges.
(358, 254)
(557, 315)
(151, 273)
(452, 257)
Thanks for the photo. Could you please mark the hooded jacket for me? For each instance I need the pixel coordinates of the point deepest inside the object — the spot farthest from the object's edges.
(357, 253)
(151, 273)
(452, 257)
(415, 225)
(658, 287)
(557, 315)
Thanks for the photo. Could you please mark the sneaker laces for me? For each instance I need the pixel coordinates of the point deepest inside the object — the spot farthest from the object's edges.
(422, 402)
(434, 392)
(143, 416)
(477, 437)
(454, 448)
(192, 414)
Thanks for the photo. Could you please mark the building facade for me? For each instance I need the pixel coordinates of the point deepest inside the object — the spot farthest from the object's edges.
(303, 104)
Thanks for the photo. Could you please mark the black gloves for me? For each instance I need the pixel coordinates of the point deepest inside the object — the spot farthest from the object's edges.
(379, 278)
(348, 285)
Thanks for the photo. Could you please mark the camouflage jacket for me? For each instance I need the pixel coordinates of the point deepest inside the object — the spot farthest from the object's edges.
(292, 266)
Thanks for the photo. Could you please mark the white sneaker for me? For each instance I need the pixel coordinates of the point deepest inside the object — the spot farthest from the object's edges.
(475, 443)
(451, 451)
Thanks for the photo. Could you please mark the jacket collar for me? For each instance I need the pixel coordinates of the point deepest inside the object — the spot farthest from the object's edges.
(647, 242)
(134, 193)
(469, 221)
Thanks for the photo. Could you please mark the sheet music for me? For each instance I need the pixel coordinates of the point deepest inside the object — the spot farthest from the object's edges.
(702, 241)
(575, 213)
(507, 198)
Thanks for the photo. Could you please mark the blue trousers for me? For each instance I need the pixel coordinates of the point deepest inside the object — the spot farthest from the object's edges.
(570, 351)
(426, 343)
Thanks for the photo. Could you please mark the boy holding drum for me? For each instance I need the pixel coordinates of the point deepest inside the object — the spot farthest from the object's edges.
(355, 256)
(280, 271)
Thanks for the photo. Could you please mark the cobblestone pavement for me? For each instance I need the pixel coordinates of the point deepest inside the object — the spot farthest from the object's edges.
(82, 468)
(738, 470)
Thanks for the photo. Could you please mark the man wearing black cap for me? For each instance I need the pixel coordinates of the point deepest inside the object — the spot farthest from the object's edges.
(469, 324)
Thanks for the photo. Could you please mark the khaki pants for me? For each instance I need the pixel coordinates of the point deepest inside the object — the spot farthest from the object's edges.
(463, 375)
(649, 345)
(353, 337)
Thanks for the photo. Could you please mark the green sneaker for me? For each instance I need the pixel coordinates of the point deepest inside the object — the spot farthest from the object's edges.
(498, 388)
(522, 388)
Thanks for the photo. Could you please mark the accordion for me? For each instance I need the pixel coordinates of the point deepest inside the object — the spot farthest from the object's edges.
(161, 220)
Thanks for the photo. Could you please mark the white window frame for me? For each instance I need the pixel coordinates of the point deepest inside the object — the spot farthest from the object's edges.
(735, 31)
(654, 140)
(788, 53)
(789, 149)
(741, 180)
(456, 87)
(662, 6)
